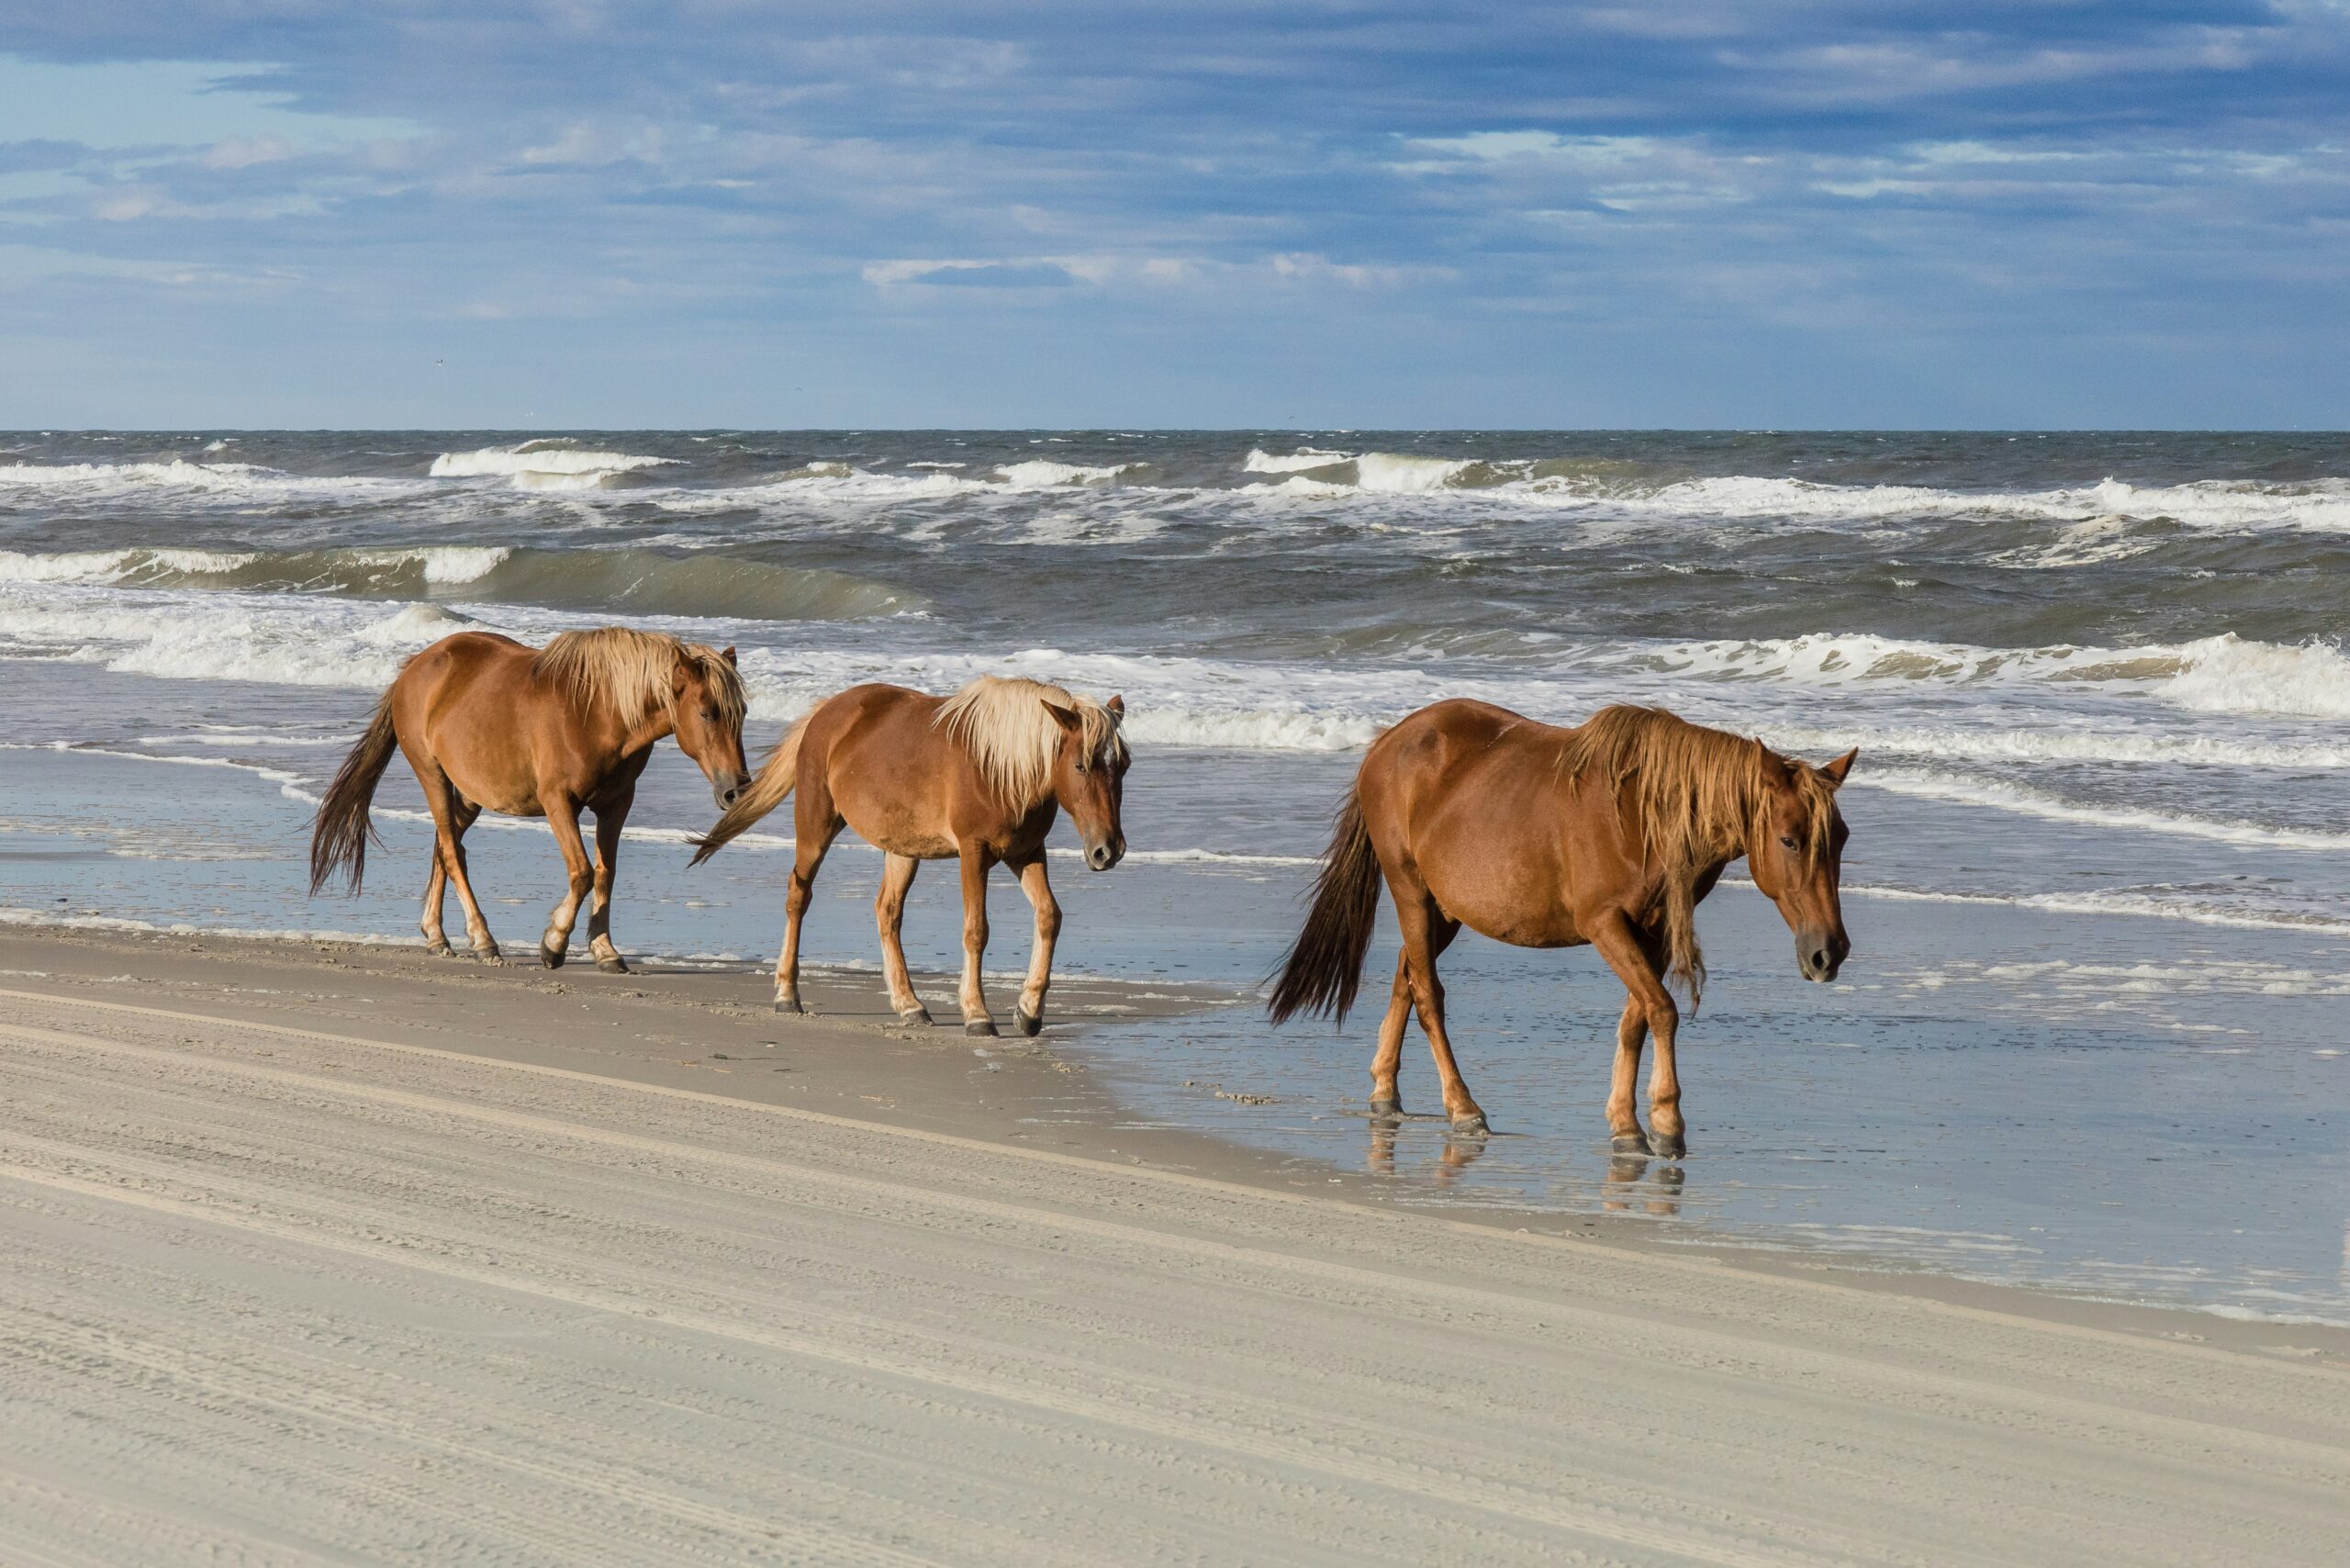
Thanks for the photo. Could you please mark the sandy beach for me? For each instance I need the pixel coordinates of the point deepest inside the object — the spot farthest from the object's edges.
(334, 1253)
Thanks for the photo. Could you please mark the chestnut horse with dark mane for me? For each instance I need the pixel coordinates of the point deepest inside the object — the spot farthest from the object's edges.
(1608, 833)
(979, 777)
(488, 724)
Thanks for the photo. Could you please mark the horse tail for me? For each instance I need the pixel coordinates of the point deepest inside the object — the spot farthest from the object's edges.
(1685, 961)
(340, 835)
(1325, 965)
(777, 778)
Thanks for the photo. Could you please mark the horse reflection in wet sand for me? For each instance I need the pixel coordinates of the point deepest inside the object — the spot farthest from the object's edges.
(979, 777)
(487, 723)
(1608, 833)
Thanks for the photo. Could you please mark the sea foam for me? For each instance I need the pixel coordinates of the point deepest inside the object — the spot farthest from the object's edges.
(543, 466)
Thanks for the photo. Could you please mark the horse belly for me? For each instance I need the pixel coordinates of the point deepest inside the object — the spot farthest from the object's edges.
(507, 797)
(1511, 892)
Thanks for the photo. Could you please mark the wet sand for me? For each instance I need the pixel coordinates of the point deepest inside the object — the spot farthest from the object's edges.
(320, 1251)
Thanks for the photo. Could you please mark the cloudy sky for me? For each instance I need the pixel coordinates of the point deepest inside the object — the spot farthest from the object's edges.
(1252, 213)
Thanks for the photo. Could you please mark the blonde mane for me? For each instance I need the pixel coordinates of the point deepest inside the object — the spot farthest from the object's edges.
(1701, 795)
(1001, 723)
(629, 671)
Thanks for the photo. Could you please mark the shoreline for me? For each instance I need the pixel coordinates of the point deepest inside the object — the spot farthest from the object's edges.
(707, 1030)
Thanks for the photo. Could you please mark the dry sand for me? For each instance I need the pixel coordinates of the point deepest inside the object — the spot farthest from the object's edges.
(337, 1254)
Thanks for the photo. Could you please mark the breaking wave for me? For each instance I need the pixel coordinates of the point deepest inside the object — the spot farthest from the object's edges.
(2226, 674)
(2321, 504)
(635, 581)
(1039, 473)
(544, 466)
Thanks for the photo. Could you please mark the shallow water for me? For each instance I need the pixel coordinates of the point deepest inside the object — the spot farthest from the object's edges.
(2090, 1036)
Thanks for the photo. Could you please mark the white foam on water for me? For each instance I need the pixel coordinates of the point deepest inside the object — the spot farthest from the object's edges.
(2027, 802)
(177, 472)
(543, 466)
(2143, 906)
(413, 624)
(1304, 457)
(114, 565)
(854, 485)
(1038, 474)
(2230, 675)
(194, 635)
(10, 915)
(447, 564)
(1393, 474)
(2225, 673)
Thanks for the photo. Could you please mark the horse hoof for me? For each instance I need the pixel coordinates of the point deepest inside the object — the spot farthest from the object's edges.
(1390, 1110)
(615, 964)
(980, 1029)
(490, 956)
(1031, 1023)
(1472, 1122)
(789, 1005)
(915, 1016)
(436, 950)
(552, 957)
(1628, 1143)
(1667, 1146)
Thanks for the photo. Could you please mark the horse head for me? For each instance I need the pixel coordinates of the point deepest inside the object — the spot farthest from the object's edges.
(709, 704)
(1089, 780)
(1796, 850)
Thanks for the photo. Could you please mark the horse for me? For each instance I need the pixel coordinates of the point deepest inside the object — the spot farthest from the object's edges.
(979, 777)
(487, 723)
(1609, 834)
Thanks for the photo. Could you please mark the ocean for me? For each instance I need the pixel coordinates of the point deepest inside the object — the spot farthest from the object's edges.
(2092, 1034)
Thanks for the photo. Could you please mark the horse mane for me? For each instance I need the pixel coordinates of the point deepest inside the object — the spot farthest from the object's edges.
(1001, 722)
(628, 670)
(1701, 794)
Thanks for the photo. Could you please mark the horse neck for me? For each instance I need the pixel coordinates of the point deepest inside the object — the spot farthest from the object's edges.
(1722, 841)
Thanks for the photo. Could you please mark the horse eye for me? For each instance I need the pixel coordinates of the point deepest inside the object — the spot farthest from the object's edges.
(1788, 839)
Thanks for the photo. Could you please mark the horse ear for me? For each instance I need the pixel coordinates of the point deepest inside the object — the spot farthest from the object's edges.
(1065, 717)
(729, 655)
(1116, 708)
(1834, 771)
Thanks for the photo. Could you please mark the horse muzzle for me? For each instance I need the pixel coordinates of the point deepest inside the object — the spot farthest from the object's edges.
(726, 791)
(1818, 957)
(1101, 856)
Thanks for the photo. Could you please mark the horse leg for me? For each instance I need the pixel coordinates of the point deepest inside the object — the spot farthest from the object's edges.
(436, 883)
(1029, 1015)
(975, 865)
(1633, 960)
(1427, 933)
(814, 839)
(1386, 1099)
(610, 819)
(452, 814)
(1623, 1114)
(562, 816)
(890, 917)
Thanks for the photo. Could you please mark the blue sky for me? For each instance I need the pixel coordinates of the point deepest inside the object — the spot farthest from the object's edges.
(1305, 213)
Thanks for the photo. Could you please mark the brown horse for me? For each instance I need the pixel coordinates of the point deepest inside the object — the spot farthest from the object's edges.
(978, 776)
(488, 724)
(1608, 833)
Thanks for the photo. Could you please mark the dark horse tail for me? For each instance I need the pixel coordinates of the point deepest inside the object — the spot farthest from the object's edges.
(1325, 966)
(339, 836)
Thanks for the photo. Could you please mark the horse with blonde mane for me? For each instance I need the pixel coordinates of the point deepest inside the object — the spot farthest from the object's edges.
(1608, 833)
(487, 723)
(979, 777)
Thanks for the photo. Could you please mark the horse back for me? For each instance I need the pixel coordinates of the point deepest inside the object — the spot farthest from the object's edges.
(1468, 799)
